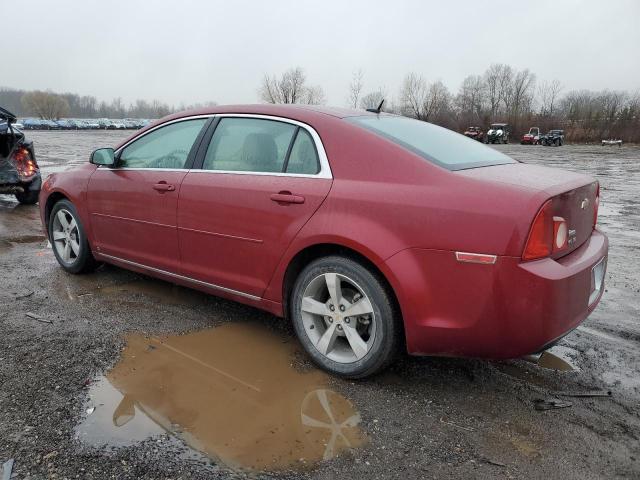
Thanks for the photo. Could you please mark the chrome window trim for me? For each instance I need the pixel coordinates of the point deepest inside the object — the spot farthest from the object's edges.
(138, 137)
(325, 168)
(180, 277)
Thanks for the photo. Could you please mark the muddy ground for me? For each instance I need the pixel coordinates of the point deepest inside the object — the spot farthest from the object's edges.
(425, 417)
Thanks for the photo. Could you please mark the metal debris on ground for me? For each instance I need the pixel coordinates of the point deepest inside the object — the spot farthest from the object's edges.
(550, 404)
(590, 393)
(37, 317)
(7, 468)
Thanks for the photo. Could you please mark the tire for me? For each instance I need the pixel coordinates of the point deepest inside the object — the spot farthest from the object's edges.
(30, 197)
(81, 261)
(378, 331)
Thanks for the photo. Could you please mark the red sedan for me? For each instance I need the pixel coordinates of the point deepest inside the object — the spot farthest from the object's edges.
(370, 232)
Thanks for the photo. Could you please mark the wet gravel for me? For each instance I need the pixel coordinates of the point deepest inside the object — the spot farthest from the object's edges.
(425, 417)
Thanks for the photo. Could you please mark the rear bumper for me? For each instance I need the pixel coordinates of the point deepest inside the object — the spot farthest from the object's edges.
(505, 310)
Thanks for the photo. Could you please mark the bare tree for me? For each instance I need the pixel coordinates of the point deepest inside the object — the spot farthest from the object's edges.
(521, 94)
(471, 98)
(373, 99)
(413, 96)
(355, 88)
(47, 105)
(314, 95)
(289, 88)
(548, 93)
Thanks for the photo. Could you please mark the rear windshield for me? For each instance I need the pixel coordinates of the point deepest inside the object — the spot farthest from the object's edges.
(436, 144)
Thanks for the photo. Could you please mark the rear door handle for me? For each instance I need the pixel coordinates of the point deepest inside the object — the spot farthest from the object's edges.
(286, 197)
(164, 187)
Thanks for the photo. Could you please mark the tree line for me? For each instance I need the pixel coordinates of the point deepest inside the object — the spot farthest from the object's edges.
(53, 106)
(499, 94)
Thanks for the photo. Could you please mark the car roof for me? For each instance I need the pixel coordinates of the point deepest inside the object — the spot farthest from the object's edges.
(303, 113)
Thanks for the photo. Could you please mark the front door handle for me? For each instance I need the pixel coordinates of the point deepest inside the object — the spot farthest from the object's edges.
(164, 187)
(286, 197)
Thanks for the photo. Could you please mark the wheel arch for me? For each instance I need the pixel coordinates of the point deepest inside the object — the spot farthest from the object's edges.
(318, 250)
(52, 199)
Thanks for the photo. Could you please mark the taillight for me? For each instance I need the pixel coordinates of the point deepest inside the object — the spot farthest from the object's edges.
(24, 163)
(596, 205)
(540, 241)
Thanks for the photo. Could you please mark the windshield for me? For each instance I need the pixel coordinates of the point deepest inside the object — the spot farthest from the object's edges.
(438, 145)
(497, 127)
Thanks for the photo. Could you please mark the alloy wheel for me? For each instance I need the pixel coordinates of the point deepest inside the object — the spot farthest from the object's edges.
(338, 318)
(66, 236)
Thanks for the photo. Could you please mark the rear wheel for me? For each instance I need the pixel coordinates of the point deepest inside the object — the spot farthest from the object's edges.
(68, 239)
(344, 317)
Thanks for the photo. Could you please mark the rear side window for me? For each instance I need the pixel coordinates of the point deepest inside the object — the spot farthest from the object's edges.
(438, 145)
(303, 158)
(165, 147)
(249, 145)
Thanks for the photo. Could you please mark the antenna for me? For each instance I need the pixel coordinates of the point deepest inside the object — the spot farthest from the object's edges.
(376, 110)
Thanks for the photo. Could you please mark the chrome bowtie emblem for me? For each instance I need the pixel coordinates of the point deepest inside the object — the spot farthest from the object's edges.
(584, 204)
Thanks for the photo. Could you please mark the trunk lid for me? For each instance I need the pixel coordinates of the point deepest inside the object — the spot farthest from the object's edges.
(573, 194)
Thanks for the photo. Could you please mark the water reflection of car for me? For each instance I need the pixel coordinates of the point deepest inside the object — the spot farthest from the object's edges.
(364, 229)
(532, 137)
(498, 133)
(201, 388)
(19, 172)
(474, 132)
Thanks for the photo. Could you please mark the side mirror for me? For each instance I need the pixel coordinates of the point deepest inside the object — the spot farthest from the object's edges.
(103, 156)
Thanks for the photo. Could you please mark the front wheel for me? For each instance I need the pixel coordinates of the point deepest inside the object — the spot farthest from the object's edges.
(344, 317)
(68, 239)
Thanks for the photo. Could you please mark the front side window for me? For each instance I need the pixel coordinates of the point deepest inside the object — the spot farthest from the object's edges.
(438, 145)
(249, 145)
(166, 147)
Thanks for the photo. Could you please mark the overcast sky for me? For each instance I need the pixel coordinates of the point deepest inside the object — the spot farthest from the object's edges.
(197, 50)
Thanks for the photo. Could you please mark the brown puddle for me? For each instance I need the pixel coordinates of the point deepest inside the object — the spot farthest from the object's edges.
(230, 392)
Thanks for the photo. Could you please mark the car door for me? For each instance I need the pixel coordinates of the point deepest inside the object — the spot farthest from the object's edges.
(133, 206)
(260, 180)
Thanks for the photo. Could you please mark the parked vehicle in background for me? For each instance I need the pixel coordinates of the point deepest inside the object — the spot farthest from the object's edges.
(19, 172)
(498, 133)
(105, 124)
(532, 137)
(553, 138)
(92, 124)
(369, 231)
(611, 142)
(474, 132)
(118, 124)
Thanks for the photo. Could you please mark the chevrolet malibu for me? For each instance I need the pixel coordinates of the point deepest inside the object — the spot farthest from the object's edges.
(370, 232)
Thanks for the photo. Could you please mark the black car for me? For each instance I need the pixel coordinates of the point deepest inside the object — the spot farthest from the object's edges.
(19, 171)
(553, 137)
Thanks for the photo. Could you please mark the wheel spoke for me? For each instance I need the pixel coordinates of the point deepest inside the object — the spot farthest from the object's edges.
(312, 422)
(324, 401)
(62, 218)
(72, 224)
(66, 254)
(75, 247)
(361, 307)
(58, 235)
(311, 305)
(328, 339)
(357, 344)
(333, 285)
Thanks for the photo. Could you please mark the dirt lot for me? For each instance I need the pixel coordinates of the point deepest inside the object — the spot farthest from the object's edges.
(67, 385)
